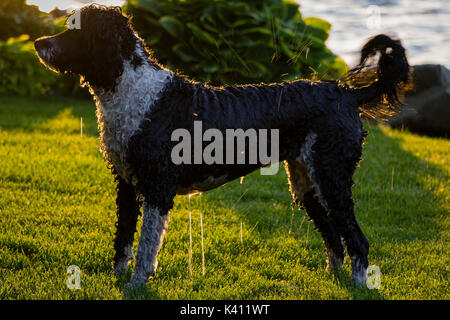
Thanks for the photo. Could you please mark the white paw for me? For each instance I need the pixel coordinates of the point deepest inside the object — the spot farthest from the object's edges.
(135, 283)
(121, 266)
(359, 273)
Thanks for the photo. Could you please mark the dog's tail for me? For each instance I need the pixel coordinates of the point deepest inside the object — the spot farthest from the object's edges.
(380, 99)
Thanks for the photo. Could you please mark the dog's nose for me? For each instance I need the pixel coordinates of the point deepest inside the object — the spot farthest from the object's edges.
(43, 43)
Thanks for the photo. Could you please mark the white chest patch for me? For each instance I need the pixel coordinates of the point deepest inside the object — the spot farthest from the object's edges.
(120, 113)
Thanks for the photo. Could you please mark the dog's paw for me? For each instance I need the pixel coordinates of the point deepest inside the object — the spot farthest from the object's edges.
(138, 279)
(359, 272)
(121, 266)
(134, 285)
(359, 279)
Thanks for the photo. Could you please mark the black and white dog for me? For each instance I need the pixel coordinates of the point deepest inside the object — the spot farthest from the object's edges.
(140, 103)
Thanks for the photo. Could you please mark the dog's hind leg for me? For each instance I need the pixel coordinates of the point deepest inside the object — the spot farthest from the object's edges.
(342, 211)
(154, 228)
(326, 226)
(332, 166)
(303, 193)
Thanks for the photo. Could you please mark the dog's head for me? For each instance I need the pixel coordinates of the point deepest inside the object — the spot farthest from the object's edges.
(98, 41)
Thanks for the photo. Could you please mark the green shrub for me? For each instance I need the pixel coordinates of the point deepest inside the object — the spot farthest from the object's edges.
(17, 18)
(230, 41)
(23, 74)
(20, 69)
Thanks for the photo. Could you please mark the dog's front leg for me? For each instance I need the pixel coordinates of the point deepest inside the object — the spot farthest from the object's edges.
(127, 214)
(154, 227)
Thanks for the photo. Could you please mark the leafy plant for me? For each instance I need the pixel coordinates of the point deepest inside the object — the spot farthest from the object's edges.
(17, 18)
(23, 74)
(231, 41)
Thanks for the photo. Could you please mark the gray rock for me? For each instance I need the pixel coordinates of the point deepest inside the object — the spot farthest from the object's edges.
(427, 108)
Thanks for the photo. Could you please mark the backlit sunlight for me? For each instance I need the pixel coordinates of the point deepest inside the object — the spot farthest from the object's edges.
(49, 5)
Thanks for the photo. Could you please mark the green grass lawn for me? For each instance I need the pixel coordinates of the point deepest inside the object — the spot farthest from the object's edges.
(57, 208)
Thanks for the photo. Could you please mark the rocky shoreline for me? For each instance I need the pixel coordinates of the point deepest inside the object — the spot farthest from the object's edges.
(427, 106)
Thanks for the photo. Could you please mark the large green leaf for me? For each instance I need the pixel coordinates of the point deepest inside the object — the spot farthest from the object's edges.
(319, 27)
(184, 52)
(235, 41)
(318, 23)
(149, 5)
(172, 26)
(199, 33)
(291, 10)
(258, 31)
(210, 67)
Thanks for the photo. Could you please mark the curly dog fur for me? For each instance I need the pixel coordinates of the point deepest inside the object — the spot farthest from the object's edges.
(140, 103)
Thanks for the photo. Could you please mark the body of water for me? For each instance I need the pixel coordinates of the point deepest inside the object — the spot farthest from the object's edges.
(423, 26)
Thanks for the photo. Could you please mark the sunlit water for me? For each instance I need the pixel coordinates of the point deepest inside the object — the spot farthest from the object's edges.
(422, 25)
(48, 5)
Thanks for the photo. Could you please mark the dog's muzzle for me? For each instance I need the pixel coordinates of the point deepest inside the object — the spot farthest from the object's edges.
(44, 47)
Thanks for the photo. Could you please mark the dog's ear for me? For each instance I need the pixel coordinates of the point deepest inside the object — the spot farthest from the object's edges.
(110, 41)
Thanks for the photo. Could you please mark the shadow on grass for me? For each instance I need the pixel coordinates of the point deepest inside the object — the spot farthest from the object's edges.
(343, 278)
(40, 114)
(393, 203)
(373, 178)
(146, 292)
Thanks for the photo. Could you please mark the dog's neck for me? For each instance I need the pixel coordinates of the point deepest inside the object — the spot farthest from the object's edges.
(121, 111)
